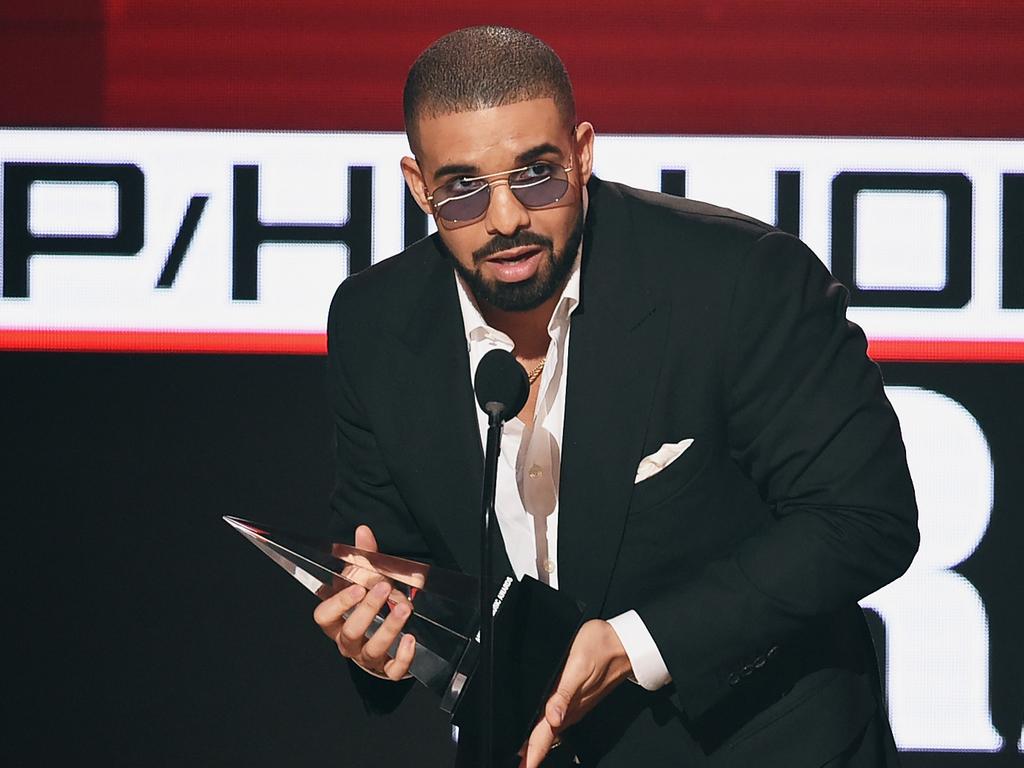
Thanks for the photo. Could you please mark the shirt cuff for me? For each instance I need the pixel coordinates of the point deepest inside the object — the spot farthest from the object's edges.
(649, 670)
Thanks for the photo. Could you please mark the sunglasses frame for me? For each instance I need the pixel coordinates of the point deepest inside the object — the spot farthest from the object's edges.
(449, 224)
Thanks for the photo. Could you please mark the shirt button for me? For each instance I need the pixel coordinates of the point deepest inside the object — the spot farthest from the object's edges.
(548, 566)
(536, 471)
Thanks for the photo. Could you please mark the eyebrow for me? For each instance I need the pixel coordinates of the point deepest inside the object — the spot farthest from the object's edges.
(523, 158)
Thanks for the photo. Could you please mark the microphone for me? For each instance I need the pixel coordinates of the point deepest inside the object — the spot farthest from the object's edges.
(502, 390)
(501, 385)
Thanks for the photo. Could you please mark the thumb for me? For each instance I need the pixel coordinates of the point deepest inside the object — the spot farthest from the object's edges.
(365, 539)
(558, 705)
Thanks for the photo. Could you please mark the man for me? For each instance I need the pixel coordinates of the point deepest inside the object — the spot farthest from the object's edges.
(707, 459)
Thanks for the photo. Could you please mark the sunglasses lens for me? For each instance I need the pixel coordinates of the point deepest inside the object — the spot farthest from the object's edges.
(539, 185)
(457, 203)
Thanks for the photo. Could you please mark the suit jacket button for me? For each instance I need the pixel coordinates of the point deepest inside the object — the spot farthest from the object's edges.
(747, 669)
(772, 651)
(734, 679)
(759, 662)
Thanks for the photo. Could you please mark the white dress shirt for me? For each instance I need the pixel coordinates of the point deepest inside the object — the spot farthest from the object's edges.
(526, 497)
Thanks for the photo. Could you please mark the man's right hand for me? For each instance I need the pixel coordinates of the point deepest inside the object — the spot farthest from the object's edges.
(350, 634)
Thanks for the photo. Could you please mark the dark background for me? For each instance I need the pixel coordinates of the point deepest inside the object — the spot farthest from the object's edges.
(140, 629)
(147, 632)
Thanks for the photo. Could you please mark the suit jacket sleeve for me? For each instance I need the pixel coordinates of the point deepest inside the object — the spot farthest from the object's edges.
(808, 422)
(364, 492)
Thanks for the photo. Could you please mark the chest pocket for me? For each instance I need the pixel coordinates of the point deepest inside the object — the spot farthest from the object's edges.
(674, 478)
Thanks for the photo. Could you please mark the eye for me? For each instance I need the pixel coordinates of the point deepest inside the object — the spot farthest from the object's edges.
(457, 187)
(533, 173)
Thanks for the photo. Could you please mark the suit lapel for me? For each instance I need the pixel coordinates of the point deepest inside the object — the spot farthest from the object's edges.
(445, 436)
(614, 361)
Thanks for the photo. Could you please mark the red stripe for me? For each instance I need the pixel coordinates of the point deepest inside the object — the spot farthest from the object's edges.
(277, 343)
(946, 350)
(226, 342)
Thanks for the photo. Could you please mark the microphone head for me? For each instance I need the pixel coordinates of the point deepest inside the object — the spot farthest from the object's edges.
(501, 384)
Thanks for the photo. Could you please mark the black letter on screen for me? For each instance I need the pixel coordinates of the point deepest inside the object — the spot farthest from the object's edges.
(20, 244)
(1013, 240)
(182, 240)
(787, 201)
(957, 189)
(249, 233)
(673, 181)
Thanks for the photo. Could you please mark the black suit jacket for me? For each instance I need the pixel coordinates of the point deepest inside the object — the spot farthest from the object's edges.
(746, 556)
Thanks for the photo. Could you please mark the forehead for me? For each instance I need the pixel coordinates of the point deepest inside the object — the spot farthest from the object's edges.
(490, 139)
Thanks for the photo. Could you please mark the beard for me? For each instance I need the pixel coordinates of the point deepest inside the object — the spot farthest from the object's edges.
(526, 294)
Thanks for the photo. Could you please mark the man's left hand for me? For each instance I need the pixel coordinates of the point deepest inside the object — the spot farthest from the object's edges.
(597, 663)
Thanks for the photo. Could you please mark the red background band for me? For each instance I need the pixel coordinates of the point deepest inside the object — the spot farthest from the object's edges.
(940, 68)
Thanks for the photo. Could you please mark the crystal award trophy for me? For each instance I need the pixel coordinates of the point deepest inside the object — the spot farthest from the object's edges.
(534, 625)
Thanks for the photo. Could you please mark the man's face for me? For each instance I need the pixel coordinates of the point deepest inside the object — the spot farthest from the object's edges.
(513, 258)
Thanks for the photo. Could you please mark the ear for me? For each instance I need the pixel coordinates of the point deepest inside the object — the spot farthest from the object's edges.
(414, 180)
(585, 150)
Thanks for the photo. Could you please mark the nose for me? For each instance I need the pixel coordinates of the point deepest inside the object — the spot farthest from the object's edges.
(505, 215)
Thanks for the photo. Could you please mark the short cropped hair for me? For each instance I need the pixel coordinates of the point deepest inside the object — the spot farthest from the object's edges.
(481, 67)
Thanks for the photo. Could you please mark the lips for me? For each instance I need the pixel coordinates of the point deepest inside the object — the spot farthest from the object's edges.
(515, 254)
(515, 264)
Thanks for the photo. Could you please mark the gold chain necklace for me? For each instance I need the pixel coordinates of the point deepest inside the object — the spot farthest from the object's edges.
(535, 373)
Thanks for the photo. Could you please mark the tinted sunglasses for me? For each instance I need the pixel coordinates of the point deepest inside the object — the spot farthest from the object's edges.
(536, 185)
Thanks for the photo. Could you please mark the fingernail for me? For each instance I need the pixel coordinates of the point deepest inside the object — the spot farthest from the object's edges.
(402, 610)
(382, 589)
(357, 591)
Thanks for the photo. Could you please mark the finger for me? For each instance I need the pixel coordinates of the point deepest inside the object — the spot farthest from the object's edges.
(567, 690)
(542, 737)
(398, 667)
(365, 539)
(376, 648)
(353, 631)
(330, 613)
(557, 706)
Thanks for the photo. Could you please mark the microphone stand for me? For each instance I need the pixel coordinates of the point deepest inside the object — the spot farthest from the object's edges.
(494, 425)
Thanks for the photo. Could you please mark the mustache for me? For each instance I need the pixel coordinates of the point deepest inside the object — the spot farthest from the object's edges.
(500, 243)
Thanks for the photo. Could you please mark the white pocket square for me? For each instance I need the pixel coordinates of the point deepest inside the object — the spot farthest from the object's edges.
(661, 458)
